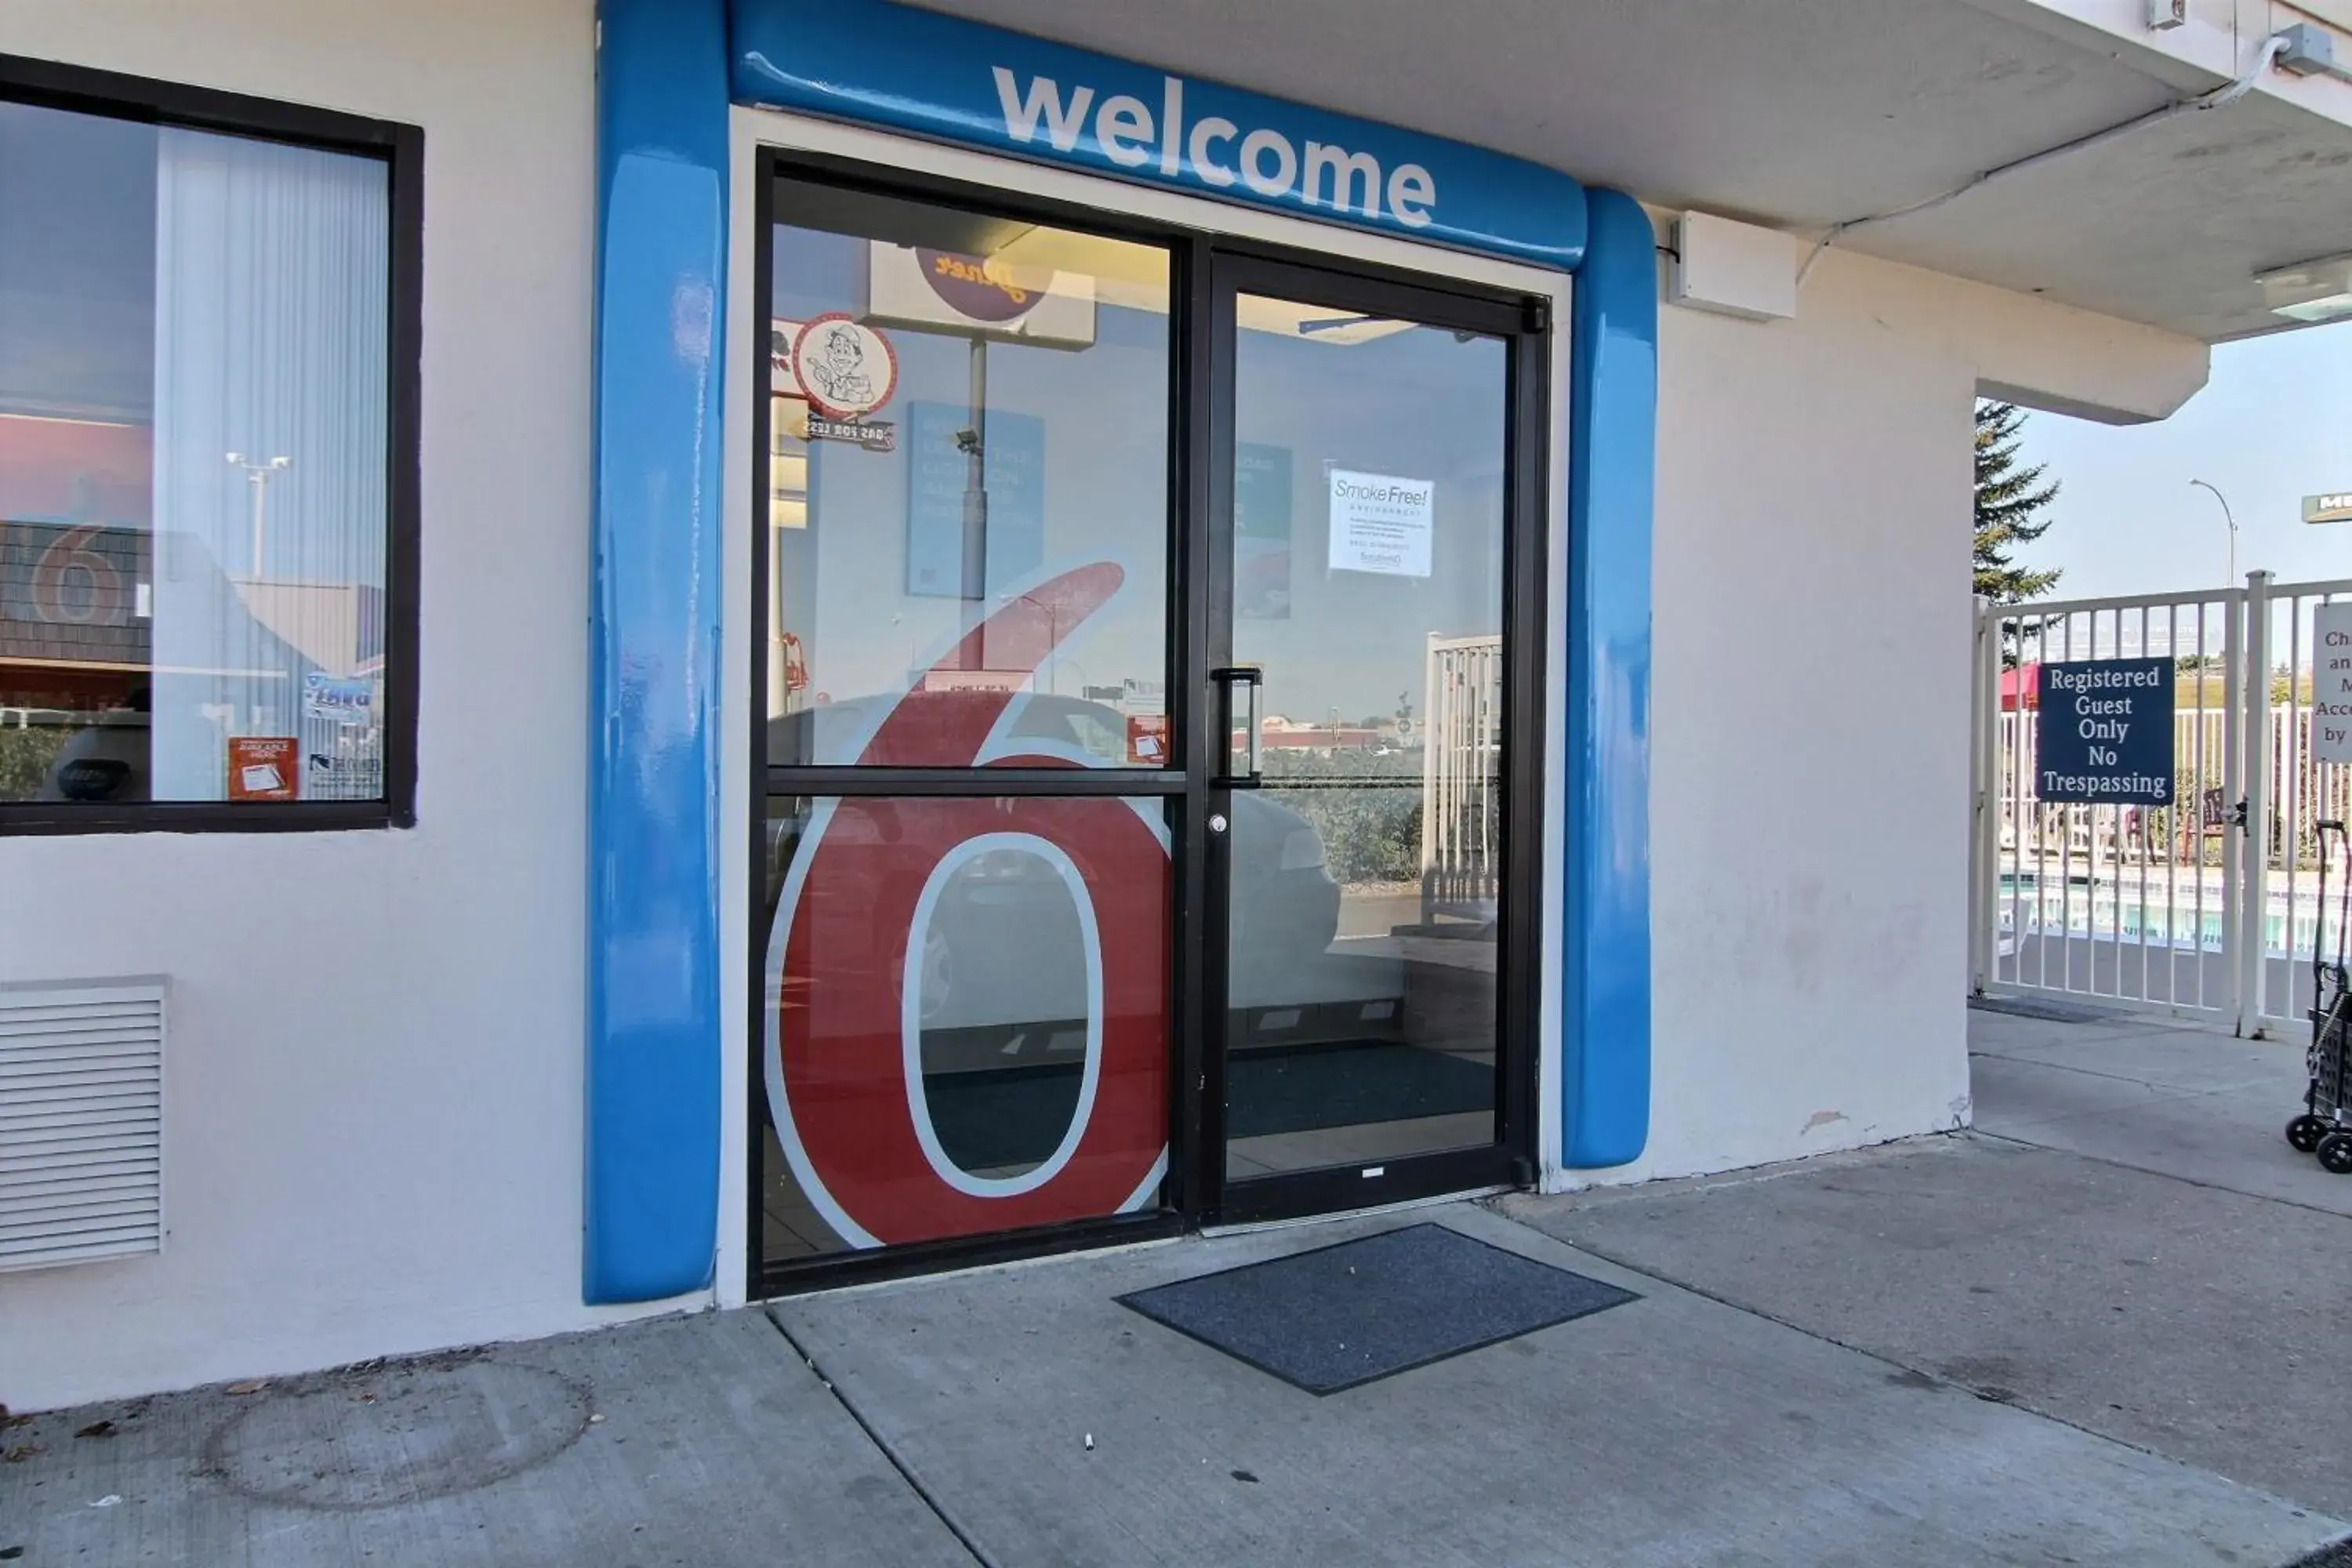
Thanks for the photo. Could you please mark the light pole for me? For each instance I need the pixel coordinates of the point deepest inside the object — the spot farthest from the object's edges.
(2227, 517)
(258, 472)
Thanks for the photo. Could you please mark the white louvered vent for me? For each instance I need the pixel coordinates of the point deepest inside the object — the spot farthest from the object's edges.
(81, 1121)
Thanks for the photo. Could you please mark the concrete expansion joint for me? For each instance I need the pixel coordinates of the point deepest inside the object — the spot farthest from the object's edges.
(2162, 1175)
(881, 1446)
(2149, 1084)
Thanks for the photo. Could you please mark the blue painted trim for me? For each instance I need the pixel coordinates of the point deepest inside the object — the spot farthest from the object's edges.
(1006, 92)
(653, 1115)
(1605, 1034)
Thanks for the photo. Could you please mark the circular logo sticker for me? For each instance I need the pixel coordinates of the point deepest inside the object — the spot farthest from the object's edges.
(970, 288)
(845, 367)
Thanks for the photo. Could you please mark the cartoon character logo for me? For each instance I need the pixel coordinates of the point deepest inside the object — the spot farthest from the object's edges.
(845, 367)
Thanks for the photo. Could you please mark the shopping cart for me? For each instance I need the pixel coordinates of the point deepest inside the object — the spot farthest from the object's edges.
(2325, 1128)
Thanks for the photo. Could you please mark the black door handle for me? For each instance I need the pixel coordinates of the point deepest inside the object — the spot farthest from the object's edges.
(1246, 678)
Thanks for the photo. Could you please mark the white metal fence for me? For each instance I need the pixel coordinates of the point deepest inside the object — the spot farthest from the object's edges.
(1461, 789)
(2207, 907)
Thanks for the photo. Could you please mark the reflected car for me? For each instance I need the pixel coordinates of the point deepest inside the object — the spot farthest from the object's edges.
(1001, 947)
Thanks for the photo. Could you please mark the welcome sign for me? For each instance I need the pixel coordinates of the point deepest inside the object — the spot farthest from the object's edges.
(959, 81)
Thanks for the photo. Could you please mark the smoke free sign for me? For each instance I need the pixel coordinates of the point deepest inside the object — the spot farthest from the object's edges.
(2103, 736)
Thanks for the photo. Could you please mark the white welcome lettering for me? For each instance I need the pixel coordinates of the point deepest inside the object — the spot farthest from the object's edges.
(1264, 160)
(1124, 129)
(1411, 193)
(1255, 174)
(1344, 167)
(1207, 132)
(1044, 98)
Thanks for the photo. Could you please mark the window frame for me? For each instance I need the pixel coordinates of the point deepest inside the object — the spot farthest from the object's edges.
(401, 149)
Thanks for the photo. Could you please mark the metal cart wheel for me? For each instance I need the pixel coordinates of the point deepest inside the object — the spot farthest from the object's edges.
(2335, 1153)
(2305, 1133)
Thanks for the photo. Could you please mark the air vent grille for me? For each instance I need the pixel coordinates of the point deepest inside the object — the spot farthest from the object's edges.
(81, 1121)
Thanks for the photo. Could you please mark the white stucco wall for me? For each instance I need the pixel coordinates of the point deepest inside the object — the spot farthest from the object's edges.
(375, 1068)
(376, 1064)
(1810, 796)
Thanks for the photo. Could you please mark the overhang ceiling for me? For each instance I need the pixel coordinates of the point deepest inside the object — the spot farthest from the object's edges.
(1807, 113)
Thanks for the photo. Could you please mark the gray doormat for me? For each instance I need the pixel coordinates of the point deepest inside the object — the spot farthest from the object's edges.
(1348, 1314)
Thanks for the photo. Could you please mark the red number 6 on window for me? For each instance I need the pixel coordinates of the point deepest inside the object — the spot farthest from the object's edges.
(843, 1058)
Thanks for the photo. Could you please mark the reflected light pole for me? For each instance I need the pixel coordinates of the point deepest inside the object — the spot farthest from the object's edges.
(259, 471)
(2232, 581)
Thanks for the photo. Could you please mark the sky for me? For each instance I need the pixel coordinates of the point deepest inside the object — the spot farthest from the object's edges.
(2274, 425)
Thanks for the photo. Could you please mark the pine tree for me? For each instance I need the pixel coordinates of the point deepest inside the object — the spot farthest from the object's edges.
(2010, 502)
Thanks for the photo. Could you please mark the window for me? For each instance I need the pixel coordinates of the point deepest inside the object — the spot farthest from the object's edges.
(207, 459)
(960, 408)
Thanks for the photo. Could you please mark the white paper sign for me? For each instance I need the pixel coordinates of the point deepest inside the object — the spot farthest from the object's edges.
(1382, 523)
(2331, 683)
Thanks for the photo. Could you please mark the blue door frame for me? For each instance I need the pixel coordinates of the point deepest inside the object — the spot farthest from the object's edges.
(654, 1132)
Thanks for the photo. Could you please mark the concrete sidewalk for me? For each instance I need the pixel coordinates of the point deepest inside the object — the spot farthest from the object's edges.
(2126, 1243)
(2167, 1098)
(1676, 1430)
(1960, 1351)
(696, 1441)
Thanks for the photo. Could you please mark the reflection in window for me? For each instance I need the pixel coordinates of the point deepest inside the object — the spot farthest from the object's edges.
(193, 379)
(1370, 517)
(962, 409)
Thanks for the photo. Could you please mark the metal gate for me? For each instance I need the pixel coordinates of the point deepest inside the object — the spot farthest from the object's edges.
(2205, 908)
(1461, 778)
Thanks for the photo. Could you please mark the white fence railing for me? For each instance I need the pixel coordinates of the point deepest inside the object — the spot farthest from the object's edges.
(2295, 792)
(2206, 907)
(1461, 789)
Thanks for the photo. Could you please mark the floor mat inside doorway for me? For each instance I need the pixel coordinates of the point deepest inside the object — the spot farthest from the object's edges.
(1336, 1317)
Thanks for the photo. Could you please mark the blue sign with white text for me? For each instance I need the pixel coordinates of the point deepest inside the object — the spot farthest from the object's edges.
(2104, 732)
(1004, 92)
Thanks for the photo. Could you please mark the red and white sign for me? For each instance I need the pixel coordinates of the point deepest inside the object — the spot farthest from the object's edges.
(1147, 739)
(843, 1049)
(262, 767)
(845, 368)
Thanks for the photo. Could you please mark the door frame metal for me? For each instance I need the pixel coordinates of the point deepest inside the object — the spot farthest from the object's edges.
(1203, 264)
(1523, 325)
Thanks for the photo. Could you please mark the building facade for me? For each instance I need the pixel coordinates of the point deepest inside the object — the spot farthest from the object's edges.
(653, 659)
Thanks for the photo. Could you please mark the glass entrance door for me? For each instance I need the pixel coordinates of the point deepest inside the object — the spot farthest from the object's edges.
(1366, 635)
(1144, 730)
(964, 1024)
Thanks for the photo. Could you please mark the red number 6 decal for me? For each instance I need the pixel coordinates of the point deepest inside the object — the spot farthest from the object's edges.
(844, 1039)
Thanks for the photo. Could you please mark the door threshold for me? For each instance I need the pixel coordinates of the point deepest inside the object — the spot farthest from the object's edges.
(826, 1282)
(1403, 1205)
(887, 1270)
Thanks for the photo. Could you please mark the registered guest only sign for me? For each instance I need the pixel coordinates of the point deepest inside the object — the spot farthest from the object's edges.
(2104, 732)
